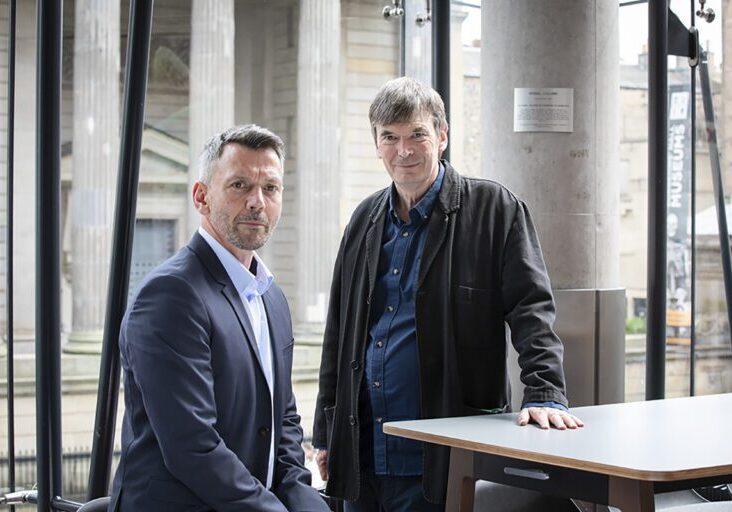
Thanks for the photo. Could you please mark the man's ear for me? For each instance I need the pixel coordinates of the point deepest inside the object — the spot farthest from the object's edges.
(200, 199)
(443, 140)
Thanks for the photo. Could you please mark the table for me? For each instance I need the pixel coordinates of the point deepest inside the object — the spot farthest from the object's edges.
(623, 455)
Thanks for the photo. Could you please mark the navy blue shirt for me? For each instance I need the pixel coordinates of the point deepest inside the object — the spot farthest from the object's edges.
(392, 360)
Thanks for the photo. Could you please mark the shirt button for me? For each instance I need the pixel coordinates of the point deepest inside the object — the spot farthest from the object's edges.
(405, 233)
(379, 344)
(390, 308)
(354, 365)
(377, 384)
(395, 271)
(379, 420)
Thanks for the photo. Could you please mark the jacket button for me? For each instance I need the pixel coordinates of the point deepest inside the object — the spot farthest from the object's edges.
(264, 431)
(352, 420)
(354, 365)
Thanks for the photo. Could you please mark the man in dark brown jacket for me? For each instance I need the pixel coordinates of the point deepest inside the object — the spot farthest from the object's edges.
(429, 272)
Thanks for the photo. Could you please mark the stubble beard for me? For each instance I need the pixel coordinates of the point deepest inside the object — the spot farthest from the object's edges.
(250, 241)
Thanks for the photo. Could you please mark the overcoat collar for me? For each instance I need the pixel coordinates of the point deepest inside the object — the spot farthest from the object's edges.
(448, 201)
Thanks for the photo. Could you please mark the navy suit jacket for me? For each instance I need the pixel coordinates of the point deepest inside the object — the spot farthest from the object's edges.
(197, 423)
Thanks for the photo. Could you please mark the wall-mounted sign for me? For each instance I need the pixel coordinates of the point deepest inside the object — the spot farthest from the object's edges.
(543, 110)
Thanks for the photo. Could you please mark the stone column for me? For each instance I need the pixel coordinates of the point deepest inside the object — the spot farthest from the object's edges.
(318, 164)
(568, 180)
(211, 101)
(95, 150)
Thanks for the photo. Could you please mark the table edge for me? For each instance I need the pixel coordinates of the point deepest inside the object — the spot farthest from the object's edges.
(567, 462)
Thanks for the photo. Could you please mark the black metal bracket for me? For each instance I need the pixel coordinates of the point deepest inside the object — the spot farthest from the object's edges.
(682, 41)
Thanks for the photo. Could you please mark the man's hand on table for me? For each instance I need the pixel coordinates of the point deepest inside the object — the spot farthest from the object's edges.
(548, 416)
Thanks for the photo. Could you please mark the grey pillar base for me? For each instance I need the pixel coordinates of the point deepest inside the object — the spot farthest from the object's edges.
(308, 348)
(89, 342)
(23, 343)
(591, 324)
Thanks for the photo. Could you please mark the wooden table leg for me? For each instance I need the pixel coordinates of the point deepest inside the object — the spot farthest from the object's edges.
(631, 495)
(460, 482)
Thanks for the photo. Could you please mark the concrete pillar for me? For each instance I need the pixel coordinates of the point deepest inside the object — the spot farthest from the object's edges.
(211, 101)
(318, 165)
(568, 180)
(95, 150)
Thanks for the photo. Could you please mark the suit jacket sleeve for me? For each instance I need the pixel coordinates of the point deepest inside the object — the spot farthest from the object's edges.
(167, 347)
(292, 482)
(529, 310)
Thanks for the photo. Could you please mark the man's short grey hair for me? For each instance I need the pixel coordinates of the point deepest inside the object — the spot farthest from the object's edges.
(402, 99)
(249, 135)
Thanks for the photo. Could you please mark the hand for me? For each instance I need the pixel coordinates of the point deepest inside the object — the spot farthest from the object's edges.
(546, 416)
(321, 458)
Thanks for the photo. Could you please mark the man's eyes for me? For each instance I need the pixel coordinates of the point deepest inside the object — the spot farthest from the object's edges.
(392, 139)
(270, 188)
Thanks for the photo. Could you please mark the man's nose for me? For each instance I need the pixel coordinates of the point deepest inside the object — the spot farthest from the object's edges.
(404, 147)
(255, 199)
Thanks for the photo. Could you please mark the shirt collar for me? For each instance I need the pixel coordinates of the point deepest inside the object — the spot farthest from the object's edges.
(244, 281)
(420, 211)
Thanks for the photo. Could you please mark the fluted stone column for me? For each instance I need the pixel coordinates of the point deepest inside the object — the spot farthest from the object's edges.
(95, 149)
(211, 101)
(569, 180)
(318, 166)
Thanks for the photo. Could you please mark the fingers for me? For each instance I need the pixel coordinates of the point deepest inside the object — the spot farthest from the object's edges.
(546, 417)
(321, 458)
(523, 417)
(540, 416)
(558, 421)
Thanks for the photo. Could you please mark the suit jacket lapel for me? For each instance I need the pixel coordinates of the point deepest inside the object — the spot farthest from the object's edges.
(199, 246)
(233, 297)
(278, 320)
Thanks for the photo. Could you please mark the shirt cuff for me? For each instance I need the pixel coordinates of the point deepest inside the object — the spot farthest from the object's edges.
(553, 405)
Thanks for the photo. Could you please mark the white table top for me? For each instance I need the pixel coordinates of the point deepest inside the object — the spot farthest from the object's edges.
(662, 440)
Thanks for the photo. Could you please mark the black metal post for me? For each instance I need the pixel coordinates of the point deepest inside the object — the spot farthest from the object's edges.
(692, 281)
(48, 267)
(403, 43)
(657, 182)
(138, 49)
(441, 55)
(9, 248)
(717, 182)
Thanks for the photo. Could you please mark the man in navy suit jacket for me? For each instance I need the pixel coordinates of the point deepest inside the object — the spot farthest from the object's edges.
(210, 420)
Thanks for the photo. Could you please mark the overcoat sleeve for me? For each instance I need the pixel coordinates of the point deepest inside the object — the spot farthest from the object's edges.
(529, 311)
(329, 359)
(291, 480)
